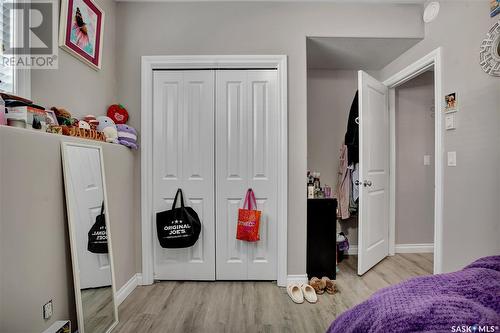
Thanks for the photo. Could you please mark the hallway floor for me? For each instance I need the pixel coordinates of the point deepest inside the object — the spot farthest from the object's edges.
(173, 306)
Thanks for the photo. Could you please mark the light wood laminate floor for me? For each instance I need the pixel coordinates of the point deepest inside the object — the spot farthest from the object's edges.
(257, 306)
(98, 311)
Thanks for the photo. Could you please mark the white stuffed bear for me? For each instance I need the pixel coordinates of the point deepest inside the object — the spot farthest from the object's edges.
(108, 127)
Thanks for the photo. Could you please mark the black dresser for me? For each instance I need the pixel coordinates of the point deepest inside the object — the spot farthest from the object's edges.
(321, 238)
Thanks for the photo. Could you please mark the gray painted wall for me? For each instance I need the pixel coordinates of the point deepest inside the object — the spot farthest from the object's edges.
(471, 224)
(34, 243)
(253, 28)
(35, 263)
(76, 86)
(414, 181)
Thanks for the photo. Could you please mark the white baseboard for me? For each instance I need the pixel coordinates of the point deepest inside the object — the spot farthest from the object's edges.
(139, 279)
(415, 248)
(353, 250)
(127, 289)
(401, 248)
(297, 279)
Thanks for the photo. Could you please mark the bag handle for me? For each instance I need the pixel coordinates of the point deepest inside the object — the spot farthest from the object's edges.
(175, 199)
(249, 199)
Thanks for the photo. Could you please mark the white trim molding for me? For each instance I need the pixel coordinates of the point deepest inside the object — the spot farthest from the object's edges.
(430, 61)
(415, 248)
(152, 63)
(127, 289)
(297, 279)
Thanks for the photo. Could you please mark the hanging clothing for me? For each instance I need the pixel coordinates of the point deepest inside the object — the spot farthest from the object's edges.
(353, 205)
(354, 178)
(352, 134)
(343, 184)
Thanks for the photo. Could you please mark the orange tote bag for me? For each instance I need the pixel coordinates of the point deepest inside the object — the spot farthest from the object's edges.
(248, 219)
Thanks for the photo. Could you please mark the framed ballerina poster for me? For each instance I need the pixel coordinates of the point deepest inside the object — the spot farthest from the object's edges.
(81, 30)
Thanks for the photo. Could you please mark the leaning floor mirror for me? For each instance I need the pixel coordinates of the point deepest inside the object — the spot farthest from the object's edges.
(90, 237)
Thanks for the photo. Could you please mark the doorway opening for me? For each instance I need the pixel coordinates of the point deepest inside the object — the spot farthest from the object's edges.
(415, 168)
(338, 69)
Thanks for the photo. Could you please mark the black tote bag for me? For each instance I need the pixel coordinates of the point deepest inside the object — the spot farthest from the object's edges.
(178, 227)
(98, 237)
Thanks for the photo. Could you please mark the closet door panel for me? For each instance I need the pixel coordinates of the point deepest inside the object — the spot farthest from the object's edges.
(235, 128)
(262, 146)
(183, 157)
(246, 139)
(231, 169)
(166, 126)
(235, 249)
(258, 95)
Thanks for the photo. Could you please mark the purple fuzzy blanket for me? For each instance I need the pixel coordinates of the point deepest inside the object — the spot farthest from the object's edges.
(463, 301)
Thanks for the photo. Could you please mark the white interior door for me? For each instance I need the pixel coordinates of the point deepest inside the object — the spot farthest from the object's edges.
(246, 157)
(183, 157)
(373, 220)
(86, 184)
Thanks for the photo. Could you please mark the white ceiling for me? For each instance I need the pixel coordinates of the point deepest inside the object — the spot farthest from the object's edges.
(355, 53)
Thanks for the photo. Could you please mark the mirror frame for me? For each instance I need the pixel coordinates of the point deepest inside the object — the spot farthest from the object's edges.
(72, 236)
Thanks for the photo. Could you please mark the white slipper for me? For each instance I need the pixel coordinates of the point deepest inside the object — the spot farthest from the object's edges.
(295, 293)
(309, 293)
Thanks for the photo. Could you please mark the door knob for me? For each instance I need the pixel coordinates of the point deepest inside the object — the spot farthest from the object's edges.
(358, 183)
(367, 183)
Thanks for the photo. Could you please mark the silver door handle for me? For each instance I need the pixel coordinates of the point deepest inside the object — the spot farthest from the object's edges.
(367, 183)
(358, 183)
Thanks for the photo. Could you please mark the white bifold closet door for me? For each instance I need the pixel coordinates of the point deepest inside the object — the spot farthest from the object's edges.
(246, 157)
(215, 136)
(183, 157)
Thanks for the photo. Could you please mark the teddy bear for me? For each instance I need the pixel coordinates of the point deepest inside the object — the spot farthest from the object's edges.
(127, 136)
(63, 116)
(108, 127)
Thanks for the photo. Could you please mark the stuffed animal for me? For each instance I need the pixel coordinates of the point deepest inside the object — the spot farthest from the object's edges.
(83, 124)
(91, 119)
(108, 127)
(127, 136)
(63, 116)
(118, 113)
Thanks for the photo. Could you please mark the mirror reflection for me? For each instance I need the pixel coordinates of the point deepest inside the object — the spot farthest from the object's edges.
(90, 238)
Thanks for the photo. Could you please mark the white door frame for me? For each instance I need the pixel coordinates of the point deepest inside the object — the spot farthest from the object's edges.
(431, 60)
(151, 63)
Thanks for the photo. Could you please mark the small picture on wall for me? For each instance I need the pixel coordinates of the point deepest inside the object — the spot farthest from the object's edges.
(494, 7)
(81, 30)
(451, 103)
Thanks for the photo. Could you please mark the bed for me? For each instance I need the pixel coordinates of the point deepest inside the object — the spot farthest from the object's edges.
(463, 301)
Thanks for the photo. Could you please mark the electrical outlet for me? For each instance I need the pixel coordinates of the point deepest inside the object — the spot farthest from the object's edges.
(47, 310)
